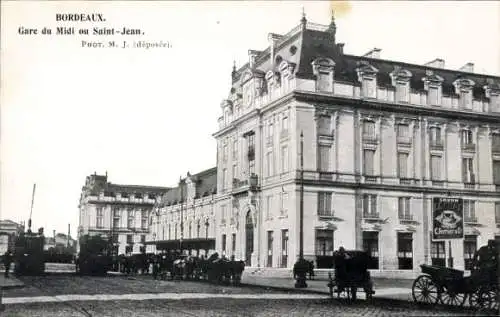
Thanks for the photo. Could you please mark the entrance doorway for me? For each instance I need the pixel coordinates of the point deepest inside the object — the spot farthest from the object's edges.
(249, 239)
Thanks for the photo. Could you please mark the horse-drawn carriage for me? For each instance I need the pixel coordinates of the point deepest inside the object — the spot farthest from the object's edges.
(449, 286)
(351, 274)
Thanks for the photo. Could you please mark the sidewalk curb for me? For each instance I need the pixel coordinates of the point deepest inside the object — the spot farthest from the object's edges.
(287, 289)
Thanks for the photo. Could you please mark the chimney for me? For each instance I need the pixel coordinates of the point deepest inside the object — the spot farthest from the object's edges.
(468, 68)
(374, 53)
(273, 40)
(340, 48)
(437, 63)
(252, 56)
(54, 234)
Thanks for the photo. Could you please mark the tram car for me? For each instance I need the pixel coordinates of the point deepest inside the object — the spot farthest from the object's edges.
(28, 253)
(94, 257)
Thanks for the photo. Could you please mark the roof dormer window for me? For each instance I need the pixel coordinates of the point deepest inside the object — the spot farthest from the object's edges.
(401, 82)
(492, 91)
(463, 88)
(367, 75)
(432, 84)
(323, 68)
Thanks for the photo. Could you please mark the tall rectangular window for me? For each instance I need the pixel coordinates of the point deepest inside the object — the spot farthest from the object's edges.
(324, 125)
(270, 132)
(235, 150)
(370, 205)
(270, 163)
(368, 88)
(405, 251)
(284, 125)
(495, 142)
(284, 248)
(436, 167)
(368, 162)
(131, 218)
(235, 171)
(497, 213)
(144, 219)
(466, 137)
(130, 239)
(99, 218)
(470, 247)
(224, 243)
(402, 92)
(284, 159)
(403, 132)
(369, 130)
(269, 207)
(324, 158)
(324, 242)
(251, 167)
(496, 172)
(403, 165)
(284, 203)
(432, 96)
(224, 153)
(223, 214)
(404, 211)
(323, 81)
(116, 218)
(470, 211)
(270, 239)
(467, 170)
(224, 179)
(438, 256)
(370, 245)
(233, 243)
(325, 204)
(466, 99)
(435, 136)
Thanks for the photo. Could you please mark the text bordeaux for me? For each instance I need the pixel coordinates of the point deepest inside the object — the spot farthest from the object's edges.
(94, 17)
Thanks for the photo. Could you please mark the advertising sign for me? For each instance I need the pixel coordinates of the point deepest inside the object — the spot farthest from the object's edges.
(447, 218)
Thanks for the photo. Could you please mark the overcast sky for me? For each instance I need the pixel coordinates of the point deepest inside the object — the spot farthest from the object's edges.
(147, 117)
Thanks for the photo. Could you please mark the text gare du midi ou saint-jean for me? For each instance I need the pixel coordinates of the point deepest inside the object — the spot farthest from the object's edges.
(94, 31)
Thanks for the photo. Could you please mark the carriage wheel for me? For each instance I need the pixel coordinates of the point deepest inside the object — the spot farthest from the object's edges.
(425, 290)
(482, 298)
(451, 297)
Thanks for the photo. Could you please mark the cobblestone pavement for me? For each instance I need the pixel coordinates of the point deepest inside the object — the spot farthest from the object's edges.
(224, 307)
(258, 301)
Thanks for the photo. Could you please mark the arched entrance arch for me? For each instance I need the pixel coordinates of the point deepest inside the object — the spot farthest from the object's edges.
(249, 227)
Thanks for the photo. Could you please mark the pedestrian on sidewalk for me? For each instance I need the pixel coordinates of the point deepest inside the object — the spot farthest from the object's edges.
(7, 260)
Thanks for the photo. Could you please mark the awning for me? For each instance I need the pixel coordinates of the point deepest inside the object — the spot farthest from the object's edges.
(187, 244)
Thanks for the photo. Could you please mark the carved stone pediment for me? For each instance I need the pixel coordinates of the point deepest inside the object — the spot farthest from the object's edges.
(463, 84)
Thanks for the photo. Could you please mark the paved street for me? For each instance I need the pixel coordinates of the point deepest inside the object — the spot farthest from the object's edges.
(67, 295)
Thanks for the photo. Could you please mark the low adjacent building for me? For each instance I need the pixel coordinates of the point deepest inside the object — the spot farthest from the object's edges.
(9, 231)
(117, 212)
(186, 212)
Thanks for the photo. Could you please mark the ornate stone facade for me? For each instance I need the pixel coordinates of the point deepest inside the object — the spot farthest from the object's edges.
(381, 139)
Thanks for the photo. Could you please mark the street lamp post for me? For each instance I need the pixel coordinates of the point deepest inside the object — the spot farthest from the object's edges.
(301, 266)
(182, 216)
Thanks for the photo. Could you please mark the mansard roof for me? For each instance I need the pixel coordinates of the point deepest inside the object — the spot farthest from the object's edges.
(303, 45)
(205, 181)
(102, 185)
